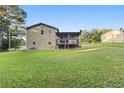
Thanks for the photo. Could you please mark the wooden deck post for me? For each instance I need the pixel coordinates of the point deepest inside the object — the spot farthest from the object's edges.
(68, 41)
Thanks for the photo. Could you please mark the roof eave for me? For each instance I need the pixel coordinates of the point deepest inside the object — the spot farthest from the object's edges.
(42, 24)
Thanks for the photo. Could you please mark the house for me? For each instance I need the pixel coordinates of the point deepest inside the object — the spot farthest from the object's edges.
(45, 37)
(113, 36)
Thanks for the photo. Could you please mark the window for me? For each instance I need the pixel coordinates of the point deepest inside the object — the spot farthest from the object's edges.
(41, 32)
(34, 43)
(49, 43)
(49, 31)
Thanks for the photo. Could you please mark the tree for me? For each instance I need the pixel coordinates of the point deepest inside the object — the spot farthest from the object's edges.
(86, 36)
(2, 23)
(14, 25)
(94, 35)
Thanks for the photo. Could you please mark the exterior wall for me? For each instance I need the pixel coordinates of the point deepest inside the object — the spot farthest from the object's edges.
(113, 36)
(42, 41)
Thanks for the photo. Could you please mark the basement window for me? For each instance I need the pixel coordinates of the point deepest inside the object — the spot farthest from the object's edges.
(49, 43)
(34, 43)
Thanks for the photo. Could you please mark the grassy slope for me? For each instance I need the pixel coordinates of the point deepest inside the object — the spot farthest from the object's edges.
(102, 66)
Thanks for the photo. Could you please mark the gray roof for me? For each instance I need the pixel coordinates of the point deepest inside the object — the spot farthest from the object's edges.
(42, 24)
(66, 33)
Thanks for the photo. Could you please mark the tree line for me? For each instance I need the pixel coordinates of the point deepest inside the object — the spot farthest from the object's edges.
(12, 26)
(93, 35)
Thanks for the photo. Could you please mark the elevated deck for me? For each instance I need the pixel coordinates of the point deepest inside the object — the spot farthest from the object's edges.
(67, 41)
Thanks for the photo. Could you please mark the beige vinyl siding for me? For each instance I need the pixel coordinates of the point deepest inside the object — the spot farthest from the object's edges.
(42, 41)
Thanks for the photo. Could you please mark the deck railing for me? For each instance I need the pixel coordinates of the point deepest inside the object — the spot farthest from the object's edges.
(67, 41)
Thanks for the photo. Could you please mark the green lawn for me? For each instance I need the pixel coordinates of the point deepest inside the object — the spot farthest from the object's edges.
(92, 66)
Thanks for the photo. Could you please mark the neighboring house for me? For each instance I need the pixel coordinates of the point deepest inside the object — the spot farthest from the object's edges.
(45, 37)
(113, 36)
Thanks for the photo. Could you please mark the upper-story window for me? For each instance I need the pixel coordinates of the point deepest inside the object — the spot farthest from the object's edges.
(49, 31)
(42, 32)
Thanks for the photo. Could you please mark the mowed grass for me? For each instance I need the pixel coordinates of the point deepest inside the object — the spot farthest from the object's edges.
(99, 66)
